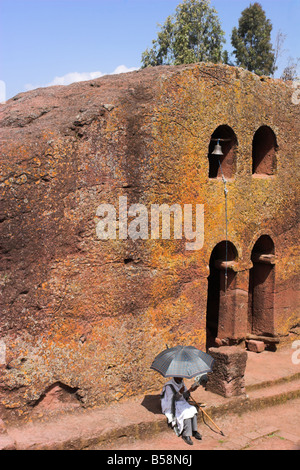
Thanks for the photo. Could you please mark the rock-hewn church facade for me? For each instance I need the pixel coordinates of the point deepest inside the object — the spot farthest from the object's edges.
(91, 314)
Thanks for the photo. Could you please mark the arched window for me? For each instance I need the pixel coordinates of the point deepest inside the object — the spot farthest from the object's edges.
(228, 142)
(264, 149)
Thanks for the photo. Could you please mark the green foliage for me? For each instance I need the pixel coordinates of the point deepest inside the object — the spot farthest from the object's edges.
(252, 41)
(193, 34)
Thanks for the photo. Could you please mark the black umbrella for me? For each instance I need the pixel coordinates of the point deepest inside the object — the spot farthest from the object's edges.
(182, 361)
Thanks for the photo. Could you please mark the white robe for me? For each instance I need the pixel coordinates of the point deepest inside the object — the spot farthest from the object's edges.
(183, 410)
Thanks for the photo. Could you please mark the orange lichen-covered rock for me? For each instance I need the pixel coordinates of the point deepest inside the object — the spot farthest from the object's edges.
(92, 314)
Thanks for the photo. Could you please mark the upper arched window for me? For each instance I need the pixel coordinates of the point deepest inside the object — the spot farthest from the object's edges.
(264, 152)
(225, 163)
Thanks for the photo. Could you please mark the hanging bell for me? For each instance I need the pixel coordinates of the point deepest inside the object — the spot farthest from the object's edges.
(218, 149)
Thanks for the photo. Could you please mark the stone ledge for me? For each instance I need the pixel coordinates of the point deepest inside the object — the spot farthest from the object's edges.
(228, 376)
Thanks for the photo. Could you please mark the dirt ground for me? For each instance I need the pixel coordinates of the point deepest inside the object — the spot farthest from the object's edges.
(272, 428)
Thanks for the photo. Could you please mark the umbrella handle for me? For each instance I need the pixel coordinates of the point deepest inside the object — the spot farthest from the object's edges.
(204, 412)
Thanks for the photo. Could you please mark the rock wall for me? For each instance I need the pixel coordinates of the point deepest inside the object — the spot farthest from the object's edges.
(91, 314)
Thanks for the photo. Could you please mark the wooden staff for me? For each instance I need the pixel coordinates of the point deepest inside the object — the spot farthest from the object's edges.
(204, 412)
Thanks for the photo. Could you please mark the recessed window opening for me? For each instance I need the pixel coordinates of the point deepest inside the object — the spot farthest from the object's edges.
(264, 149)
(228, 142)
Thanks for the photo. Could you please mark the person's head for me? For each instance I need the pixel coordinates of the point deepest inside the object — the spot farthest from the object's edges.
(203, 380)
(178, 380)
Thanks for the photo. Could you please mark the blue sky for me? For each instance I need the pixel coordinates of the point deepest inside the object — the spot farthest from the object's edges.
(46, 42)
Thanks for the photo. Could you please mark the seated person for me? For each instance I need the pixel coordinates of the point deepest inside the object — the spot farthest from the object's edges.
(180, 414)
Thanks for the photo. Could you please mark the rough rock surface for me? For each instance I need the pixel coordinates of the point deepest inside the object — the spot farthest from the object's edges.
(228, 376)
(255, 346)
(91, 314)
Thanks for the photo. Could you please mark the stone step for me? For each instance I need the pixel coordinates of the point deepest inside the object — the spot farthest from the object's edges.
(275, 394)
(81, 430)
(271, 383)
(258, 398)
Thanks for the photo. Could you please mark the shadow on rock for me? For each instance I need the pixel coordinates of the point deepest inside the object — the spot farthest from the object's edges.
(152, 403)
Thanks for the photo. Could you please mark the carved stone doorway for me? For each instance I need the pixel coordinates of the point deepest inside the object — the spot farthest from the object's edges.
(261, 289)
(221, 294)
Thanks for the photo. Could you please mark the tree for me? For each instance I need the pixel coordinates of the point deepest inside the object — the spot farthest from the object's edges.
(193, 34)
(290, 72)
(278, 48)
(252, 41)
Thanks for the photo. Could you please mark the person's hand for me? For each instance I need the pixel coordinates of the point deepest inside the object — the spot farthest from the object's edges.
(193, 387)
(181, 390)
